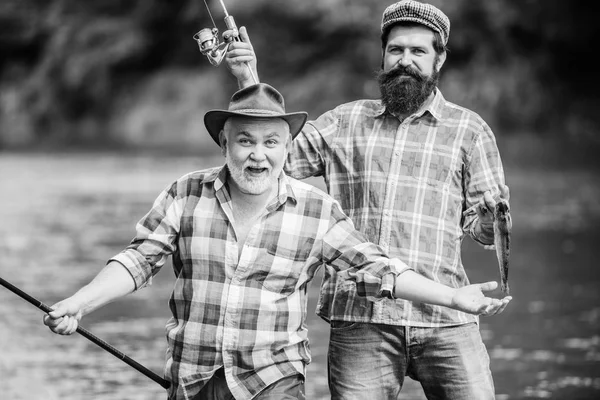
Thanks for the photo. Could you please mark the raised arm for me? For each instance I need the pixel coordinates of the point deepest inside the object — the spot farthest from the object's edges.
(238, 54)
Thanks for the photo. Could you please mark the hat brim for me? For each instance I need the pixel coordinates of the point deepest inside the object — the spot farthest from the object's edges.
(214, 121)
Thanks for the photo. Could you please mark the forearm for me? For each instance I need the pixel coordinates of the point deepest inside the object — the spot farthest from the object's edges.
(414, 287)
(111, 283)
(245, 82)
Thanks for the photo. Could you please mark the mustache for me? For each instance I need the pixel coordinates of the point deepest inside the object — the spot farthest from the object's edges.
(403, 71)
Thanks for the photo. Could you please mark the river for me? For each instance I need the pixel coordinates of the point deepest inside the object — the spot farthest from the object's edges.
(63, 215)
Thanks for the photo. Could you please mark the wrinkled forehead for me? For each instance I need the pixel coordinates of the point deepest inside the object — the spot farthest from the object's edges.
(256, 124)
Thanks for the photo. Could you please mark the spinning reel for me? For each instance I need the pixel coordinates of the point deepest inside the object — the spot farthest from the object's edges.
(209, 44)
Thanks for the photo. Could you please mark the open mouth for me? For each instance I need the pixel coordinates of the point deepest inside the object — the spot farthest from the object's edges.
(254, 171)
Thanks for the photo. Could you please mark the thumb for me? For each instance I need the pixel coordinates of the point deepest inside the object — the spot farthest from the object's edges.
(505, 192)
(244, 35)
(58, 310)
(488, 286)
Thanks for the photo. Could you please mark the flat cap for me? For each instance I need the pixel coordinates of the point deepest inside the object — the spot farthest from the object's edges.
(420, 13)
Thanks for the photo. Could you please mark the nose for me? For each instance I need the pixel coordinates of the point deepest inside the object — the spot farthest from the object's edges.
(258, 153)
(405, 59)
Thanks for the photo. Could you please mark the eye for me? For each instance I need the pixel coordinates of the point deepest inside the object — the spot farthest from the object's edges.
(244, 141)
(272, 142)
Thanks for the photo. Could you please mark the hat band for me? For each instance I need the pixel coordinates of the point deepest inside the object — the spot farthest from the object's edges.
(257, 111)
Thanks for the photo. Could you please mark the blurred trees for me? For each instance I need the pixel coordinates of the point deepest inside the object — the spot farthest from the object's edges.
(128, 71)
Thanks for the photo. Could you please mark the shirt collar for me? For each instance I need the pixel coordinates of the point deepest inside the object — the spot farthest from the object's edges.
(434, 107)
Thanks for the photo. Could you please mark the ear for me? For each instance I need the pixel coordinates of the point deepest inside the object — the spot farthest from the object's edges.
(223, 142)
(441, 60)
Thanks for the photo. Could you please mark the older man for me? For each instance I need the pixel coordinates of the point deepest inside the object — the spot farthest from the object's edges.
(416, 173)
(245, 241)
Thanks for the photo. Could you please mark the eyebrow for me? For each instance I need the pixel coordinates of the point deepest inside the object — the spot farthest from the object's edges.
(273, 134)
(249, 135)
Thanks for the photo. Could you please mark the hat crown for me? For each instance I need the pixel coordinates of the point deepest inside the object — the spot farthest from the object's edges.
(421, 13)
(259, 99)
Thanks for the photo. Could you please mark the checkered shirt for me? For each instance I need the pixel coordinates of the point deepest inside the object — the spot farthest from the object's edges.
(247, 313)
(409, 186)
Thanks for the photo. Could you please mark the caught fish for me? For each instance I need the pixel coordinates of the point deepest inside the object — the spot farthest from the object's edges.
(502, 230)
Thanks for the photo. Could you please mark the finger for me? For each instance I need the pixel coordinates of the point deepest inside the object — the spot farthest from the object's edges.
(488, 286)
(502, 305)
(241, 60)
(504, 192)
(62, 326)
(481, 209)
(482, 309)
(489, 247)
(239, 46)
(51, 322)
(244, 35)
(58, 310)
(239, 55)
(73, 323)
(490, 202)
(501, 308)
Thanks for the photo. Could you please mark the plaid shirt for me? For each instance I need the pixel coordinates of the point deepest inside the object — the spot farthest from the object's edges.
(410, 186)
(247, 313)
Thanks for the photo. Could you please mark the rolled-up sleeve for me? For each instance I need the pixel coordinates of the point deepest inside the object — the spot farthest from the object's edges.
(155, 240)
(359, 261)
(484, 172)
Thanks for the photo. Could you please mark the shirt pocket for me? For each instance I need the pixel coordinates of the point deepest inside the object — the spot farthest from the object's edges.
(434, 167)
(287, 263)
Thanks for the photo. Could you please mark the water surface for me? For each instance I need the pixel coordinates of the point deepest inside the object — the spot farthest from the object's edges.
(64, 215)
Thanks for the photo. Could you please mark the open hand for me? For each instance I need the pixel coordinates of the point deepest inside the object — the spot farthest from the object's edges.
(470, 299)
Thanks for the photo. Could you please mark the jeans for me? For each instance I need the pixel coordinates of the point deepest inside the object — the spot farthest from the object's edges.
(288, 388)
(370, 361)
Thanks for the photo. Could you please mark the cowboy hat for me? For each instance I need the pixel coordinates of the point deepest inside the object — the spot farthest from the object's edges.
(257, 101)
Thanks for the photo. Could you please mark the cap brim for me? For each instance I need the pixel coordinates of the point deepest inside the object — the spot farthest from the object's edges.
(214, 121)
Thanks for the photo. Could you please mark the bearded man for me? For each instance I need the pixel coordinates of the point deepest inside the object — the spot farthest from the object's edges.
(246, 240)
(416, 174)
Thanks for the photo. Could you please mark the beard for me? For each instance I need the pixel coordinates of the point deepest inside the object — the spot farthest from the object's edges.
(404, 90)
(247, 182)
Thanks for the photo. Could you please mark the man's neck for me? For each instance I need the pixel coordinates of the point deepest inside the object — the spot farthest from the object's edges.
(247, 205)
(247, 209)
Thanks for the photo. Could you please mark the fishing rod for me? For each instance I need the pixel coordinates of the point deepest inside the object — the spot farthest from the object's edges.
(91, 337)
(208, 40)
